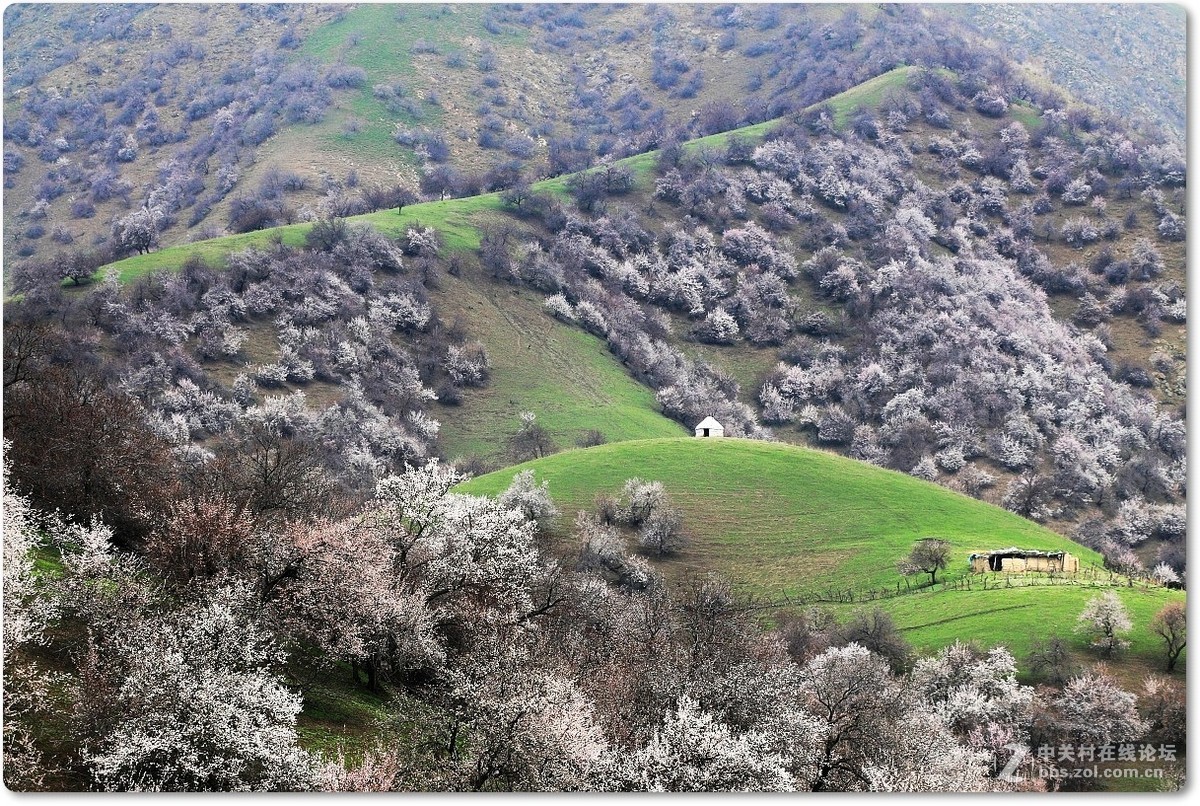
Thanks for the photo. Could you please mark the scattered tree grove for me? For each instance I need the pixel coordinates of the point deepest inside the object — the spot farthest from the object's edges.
(507, 669)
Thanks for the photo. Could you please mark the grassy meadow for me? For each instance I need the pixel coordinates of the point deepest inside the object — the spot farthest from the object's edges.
(1019, 617)
(784, 519)
(566, 376)
(780, 520)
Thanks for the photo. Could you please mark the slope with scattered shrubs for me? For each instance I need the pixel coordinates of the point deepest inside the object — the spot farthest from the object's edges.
(875, 286)
(1020, 617)
(781, 520)
(562, 374)
(194, 108)
(460, 220)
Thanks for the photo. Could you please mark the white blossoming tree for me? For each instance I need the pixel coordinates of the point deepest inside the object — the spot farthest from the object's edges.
(1107, 618)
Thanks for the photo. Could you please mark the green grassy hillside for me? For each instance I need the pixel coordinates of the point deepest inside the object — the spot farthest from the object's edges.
(787, 519)
(567, 377)
(784, 520)
(1018, 617)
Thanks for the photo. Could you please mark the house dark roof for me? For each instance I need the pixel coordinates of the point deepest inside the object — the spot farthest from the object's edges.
(1016, 552)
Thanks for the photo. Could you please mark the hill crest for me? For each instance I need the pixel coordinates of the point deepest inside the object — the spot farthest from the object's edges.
(783, 518)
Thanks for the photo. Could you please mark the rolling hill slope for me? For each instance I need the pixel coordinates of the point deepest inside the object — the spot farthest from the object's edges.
(1019, 617)
(511, 321)
(784, 520)
(564, 375)
(459, 220)
(960, 273)
(567, 377)
(356, 83)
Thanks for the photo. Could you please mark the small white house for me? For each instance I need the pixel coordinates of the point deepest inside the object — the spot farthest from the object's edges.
(710, 428)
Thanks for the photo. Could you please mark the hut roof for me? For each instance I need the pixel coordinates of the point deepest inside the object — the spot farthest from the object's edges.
(1016, 552)
(709, 422)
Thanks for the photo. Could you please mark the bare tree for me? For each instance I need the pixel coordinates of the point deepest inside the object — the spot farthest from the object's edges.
(1171, 624)
(531, 441)
(876, 631)
(928, 556)
(85, 450)
(403, 195)
(1051, 658)
(517, 195)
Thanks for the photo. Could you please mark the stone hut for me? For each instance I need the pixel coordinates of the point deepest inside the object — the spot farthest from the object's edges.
(1020, 561)
(709, 427)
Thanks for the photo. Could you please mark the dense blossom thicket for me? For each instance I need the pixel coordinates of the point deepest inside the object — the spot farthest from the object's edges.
(180, 123)
(223, 500)
(502, 668)
(900, 269)
(220, 360)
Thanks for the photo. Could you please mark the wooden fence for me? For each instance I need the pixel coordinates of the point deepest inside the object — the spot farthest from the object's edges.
(1090, 577)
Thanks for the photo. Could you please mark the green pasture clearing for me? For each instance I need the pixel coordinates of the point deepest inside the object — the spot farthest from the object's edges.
(786, 520)
(782, 519)
(1019, 617)
(565, 376)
